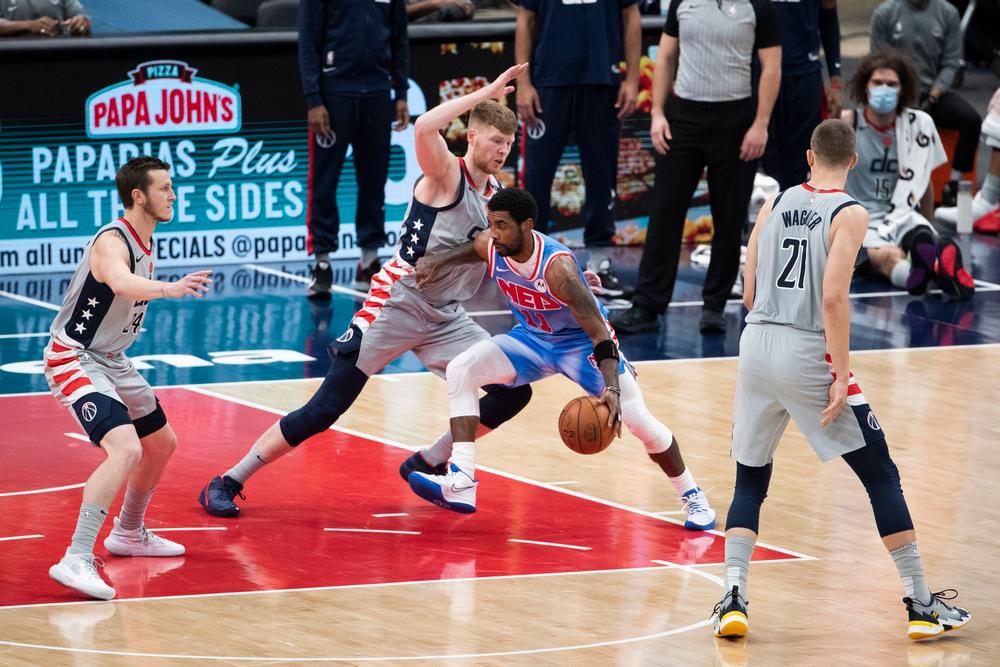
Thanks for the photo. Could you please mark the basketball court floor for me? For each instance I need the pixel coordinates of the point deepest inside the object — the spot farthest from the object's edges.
(570, 559)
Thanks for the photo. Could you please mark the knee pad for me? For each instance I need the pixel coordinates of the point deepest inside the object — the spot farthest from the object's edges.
(341, 387)
(501, 403)
(878, 473)
(748, 496)
(482, 364)
(639, 421)
(151, 423)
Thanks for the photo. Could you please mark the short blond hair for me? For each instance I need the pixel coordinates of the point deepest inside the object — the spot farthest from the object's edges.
(494, 114)
(832, 142)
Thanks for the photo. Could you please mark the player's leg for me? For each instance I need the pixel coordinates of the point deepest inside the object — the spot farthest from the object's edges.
(759, 420)
(891, 262)
(662, 448)
(78, 567)
(929, 614)
(355, 358)
(371, 144)
(509, 359)
(499, 404)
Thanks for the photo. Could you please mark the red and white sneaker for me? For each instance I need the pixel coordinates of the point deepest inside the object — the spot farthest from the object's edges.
(951, 275)
(980, 209)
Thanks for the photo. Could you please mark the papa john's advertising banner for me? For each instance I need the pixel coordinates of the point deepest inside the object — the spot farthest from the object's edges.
(230, 119)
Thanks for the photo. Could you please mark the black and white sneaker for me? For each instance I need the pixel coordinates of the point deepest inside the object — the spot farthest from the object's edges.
(730, 618)
(322, 281)
(936, 617)
(611, 285)
(364, 274)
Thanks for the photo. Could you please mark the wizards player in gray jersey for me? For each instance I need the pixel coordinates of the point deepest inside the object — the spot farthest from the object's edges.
(86, 368)
(794, 362)
(560, 327)
(448, 209)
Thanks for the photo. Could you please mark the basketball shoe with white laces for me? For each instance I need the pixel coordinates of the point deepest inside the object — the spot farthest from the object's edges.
(936, 618)
(729, 618)
(700, 515)
(139, 542)
(454, 491)
(79, 572)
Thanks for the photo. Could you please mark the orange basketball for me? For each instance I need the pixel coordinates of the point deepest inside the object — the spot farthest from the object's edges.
(583, 425)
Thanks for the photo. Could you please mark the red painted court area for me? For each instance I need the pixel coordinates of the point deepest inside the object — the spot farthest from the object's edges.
(336, 481)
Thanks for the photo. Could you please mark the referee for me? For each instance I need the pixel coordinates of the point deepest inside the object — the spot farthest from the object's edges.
(704, 116)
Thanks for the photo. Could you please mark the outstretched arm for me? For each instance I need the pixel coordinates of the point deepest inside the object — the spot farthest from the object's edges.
(563, 278)
(109, 262)
(429, 266)
(432, 151)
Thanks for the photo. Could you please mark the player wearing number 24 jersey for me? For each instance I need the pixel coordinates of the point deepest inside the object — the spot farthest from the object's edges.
(561, 328)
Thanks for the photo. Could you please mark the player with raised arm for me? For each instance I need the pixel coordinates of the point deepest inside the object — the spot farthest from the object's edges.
(448, 208)
(561, 328)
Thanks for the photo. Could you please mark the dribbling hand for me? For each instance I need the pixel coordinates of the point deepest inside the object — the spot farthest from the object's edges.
(613, 400)
(193, 284)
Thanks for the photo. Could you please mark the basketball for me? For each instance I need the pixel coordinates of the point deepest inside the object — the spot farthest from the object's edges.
(583, 425)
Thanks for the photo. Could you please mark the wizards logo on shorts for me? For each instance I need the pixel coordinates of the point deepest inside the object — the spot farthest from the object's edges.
(163, 97)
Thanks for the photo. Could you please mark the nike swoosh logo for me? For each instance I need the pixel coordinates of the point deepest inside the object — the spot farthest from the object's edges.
(328, 69)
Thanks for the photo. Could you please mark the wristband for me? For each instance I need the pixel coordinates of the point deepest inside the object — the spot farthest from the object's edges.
(606, 349)
(617, 390)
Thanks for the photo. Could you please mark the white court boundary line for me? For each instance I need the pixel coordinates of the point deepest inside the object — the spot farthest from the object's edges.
(404, 374)
(552, 544)
(28, 300)
(30, 492)
(19, 537)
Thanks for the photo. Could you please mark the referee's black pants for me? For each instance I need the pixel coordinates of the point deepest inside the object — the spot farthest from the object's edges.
(365, 124)
(704, 134)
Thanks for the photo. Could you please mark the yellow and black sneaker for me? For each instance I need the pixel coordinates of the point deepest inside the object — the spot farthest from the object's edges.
(729, 618)
(935, 618)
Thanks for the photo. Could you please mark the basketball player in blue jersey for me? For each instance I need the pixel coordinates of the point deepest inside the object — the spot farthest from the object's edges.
(561, 328)
(86, 368)
(448, 208)
(795, 362)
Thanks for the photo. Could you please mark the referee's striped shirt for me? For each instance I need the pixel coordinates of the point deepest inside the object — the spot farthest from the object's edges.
(717, 39)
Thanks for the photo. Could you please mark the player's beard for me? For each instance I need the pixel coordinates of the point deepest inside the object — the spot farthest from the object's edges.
(152, 213)
(512, 249)
(487, 165)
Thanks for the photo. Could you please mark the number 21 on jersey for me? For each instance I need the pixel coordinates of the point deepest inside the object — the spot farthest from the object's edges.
(793, 276)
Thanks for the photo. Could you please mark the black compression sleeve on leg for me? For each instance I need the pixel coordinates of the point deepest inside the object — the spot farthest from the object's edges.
(501, 403)
(877, 471)
(748, 496)
(343, 382)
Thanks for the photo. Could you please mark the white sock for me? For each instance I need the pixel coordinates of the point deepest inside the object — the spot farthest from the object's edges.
(464, 456)
(956, 175)
(900, 273)
(440, 451)
(684, 482)
(133, 513)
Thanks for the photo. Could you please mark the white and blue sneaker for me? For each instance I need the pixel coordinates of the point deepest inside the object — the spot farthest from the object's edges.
(455, 491)
(700, 515)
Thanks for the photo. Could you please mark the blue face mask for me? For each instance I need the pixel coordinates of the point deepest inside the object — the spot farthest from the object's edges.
(883, 99)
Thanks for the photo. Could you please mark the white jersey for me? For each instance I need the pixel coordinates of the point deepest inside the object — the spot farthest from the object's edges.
(92, 317)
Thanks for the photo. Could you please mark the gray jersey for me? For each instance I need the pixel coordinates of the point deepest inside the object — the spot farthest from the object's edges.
(873, 180)
(428, 230)
(92, 317)
(791, 257)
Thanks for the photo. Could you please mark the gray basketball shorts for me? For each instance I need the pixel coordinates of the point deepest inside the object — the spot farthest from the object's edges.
(74, 376)
(783, 373)
(408, 323)
(881, 233)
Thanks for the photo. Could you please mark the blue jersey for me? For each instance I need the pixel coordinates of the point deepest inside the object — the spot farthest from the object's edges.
(529, 298)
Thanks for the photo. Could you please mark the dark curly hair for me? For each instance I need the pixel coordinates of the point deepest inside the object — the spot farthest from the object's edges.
(887, 58)
(516, 202)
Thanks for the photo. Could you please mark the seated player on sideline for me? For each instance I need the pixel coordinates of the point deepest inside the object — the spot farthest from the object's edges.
(561, 328)
(800, 259)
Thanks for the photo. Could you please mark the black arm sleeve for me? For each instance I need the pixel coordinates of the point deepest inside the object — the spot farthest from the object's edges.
(400, 50)
(768, 33)
(312, 23)
(671, 27)
(829, 34)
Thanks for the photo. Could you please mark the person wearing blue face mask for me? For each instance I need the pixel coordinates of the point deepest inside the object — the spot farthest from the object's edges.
(898, 147)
